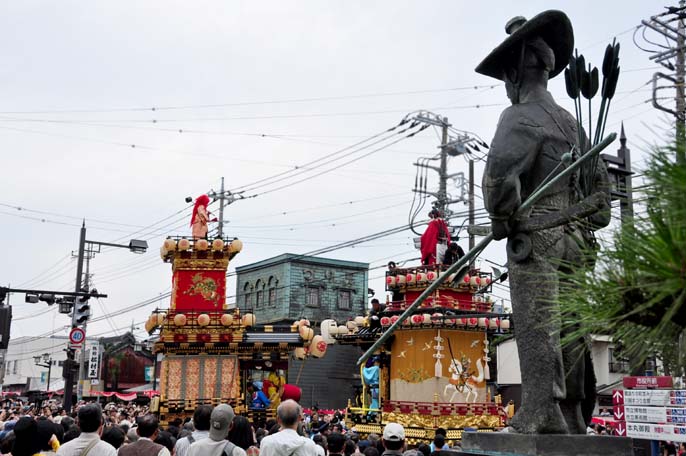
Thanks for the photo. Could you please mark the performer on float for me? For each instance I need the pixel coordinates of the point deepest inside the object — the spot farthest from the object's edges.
(434, 241)
(258, 400)
(200, 217)
(370, 376)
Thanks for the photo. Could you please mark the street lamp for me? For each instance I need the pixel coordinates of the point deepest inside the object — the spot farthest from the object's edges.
(46, 362)
(88, 249)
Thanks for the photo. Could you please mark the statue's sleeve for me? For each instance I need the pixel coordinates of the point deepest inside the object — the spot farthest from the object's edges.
(513, 152)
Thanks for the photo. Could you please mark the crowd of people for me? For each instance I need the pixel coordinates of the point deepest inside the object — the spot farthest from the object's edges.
(132, 430)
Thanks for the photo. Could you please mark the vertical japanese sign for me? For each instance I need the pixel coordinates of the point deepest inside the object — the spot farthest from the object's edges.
(94, 361)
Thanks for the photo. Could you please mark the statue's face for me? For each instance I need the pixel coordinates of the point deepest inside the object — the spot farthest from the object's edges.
(510, 90)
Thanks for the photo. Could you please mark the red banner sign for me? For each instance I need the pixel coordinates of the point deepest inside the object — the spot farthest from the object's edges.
(199, 290)
(648, 382)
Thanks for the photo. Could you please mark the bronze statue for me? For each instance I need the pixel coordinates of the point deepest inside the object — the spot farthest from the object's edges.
(530, 143)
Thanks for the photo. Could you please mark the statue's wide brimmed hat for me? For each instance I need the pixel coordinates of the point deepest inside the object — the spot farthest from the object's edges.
(553, 26)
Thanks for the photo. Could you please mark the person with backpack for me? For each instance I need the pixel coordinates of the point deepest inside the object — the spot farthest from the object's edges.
(221, 422)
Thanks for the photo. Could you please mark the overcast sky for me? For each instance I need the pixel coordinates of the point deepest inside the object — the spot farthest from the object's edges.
(257, 88)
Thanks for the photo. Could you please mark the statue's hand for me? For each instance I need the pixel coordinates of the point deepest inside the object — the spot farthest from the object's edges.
(500, 229)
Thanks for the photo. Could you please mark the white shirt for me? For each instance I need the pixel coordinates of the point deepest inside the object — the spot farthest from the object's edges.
(75, 447)
(287, 443)
(208, 447)
(182, 445)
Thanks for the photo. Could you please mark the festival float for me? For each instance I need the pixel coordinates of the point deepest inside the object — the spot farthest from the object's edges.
(213, 354)
(433, 371)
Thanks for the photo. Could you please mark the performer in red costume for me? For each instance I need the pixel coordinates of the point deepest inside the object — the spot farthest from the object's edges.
(200, 217)
(436, 233)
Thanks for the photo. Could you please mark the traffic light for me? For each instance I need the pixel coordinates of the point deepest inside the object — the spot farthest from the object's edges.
(48, 298)
(82, 309)
(5, 322)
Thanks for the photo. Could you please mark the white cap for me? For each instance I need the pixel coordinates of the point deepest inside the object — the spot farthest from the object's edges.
(393, 432)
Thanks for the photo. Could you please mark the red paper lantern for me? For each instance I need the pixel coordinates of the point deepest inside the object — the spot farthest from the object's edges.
(472, 321)
(390, 280)
(417, 319)
(385, 321)
(394, 318)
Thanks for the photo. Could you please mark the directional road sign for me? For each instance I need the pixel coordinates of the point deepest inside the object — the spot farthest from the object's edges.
(649, 397)
(667, 415)
(651, 431)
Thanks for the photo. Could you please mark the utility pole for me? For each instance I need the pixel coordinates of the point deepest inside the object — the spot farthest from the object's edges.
(442, 203)
(69, 377)
(82, 358)
(471, 202)
(664, 25)
(225, 197)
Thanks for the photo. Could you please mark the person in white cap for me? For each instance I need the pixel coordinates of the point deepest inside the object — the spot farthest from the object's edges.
(221, 422)
(393, 439)
(287, 442)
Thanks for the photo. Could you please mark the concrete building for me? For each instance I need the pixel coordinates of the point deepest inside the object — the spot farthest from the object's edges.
(288, 287)
(609, 370)
(21, 372)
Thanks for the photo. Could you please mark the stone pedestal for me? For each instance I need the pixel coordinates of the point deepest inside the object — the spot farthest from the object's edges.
(504, 444)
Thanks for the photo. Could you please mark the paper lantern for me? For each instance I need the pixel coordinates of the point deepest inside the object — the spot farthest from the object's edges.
(465, 280)
(248, 320)
(342, 330)
(203, 319)
(169, 245)
(184, 244)
(304, 322)
(390, 280)
(505, 325)
(493, 323)
(180, 320)
(318, 347)
(417, 319)
(407, 321)
(400, 280)
(421, 277)
(410, 279)
(226, 319)
(150, 323)
(235, 246)
(475, 281)
(201, 245)
(300, 353)
(351, 325)
(163, 252)
(431, 276)
(472, 321)
(436, 317)
(306, 332)
(483, 322)
(160, 318)
(395, 318)
(487, 280)
(426, 319)
(450, 321)
(329, 328)
(360, 321)
(385, 321)
(461, 321)
(217, 245)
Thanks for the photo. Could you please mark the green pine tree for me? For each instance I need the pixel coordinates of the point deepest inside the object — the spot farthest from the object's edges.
(637, 290)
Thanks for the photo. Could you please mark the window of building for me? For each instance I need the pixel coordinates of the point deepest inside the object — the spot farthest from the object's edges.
(247, 296)
(344, 299)
(15, 370)
(272, 297)
(260, 299)
(618, 364)
(313, 297)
